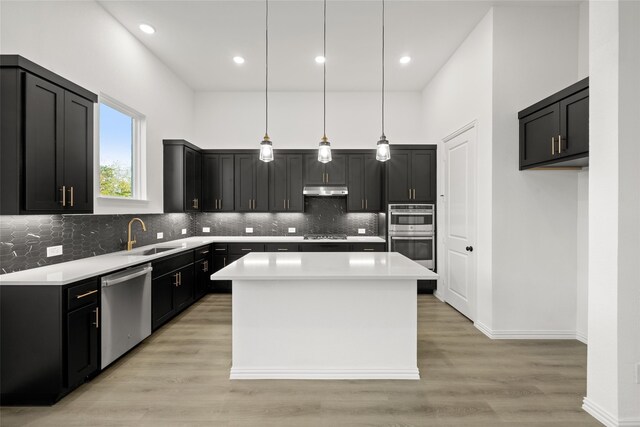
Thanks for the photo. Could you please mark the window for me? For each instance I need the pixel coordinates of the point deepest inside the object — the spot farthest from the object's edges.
(121, 150)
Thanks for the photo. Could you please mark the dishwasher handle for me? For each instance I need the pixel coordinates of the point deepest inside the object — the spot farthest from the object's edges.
(117, 278)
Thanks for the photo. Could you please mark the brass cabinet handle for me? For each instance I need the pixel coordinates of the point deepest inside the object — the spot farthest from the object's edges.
(220, 249)
(205, 266)
(366, 204)
(369, 249)
(71, 194)
(553, 146)
(245, 249)
(95, 291)
(361, 204)
(97, 322)
(414, 194)
(283, 249)
(284, 203)
(288, 204)
(64, 195)
(559, 144)
(224, 261)
(177, 282)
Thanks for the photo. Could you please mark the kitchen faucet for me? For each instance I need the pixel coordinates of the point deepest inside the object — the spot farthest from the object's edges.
(129, 241)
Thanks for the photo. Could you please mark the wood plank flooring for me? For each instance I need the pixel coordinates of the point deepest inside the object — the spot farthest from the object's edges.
(180, 377)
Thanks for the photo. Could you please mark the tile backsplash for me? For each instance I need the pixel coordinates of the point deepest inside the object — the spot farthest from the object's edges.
(24, 239)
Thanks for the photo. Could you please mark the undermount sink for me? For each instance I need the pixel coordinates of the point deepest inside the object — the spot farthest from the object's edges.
(153, 251)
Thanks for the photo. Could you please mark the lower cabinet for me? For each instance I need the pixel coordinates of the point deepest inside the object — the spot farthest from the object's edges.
(172, 287)
(49, 341)
(203, 266)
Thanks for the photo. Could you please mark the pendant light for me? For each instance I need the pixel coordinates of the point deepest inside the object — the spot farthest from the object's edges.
(266, 147)
(324, 148)
(382, 152)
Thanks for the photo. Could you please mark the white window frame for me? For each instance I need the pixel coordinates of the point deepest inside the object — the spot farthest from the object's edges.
(139, 150)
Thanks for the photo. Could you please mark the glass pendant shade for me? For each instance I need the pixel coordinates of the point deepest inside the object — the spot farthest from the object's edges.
(266, 149)
(324, 150)
(383, 153)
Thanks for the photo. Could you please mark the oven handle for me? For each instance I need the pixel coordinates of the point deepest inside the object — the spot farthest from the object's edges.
(412, 213)
(412, 238)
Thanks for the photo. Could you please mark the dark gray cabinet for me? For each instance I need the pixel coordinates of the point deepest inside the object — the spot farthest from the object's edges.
(217, 182)
(203, 266)
(251, 184)
(365, 183)
(555, 131)
(332, 173)
(172, 287)
(411, 175)
(182, 176)
(46, 141)
(49, 341)
(285, 194)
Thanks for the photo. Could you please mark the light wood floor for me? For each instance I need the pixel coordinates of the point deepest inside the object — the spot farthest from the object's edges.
(180, 377)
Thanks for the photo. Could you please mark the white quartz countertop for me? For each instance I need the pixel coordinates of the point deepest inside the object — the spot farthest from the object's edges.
(74, 271)
(324, 266)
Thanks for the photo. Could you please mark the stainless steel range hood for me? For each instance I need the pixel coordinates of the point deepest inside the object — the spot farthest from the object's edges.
(325, 191)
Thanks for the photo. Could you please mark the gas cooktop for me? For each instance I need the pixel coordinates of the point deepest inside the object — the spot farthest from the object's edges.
(325, 237)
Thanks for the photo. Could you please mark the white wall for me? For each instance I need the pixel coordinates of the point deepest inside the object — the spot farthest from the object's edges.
(83, 43)
(582, 244)
(534, 212)
(460, 93)
(236, 119)
(613, 394)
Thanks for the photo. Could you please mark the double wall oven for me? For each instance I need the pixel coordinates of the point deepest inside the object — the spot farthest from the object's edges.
(412, 232)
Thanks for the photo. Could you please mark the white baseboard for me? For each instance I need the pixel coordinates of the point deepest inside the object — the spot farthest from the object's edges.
(526, 334)
(606, 418)
(324, 374)
(581, 337)
(438, 295)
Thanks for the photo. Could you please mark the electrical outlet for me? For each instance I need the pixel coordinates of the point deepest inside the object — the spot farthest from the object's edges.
(160, 235)
(54, 251)
(248, 230)
(206, 229)
(362, 231)
(184, 231)
(292, 229)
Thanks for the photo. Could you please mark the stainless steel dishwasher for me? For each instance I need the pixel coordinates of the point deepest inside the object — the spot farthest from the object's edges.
(126, 311)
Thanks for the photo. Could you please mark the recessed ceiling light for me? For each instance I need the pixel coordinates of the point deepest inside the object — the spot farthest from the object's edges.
(320, 59)
(146, 28)
(405, 59)
(238, 59)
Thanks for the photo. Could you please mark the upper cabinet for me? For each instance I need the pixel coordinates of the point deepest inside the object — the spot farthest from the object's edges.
(411, 175)
(332, 173)
(364, 183)
(217, 182)
(251, 184)
(285, 180)
(182, 176)
(555, 131)
(46, 141)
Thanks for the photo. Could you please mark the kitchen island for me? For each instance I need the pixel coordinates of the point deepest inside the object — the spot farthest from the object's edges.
(324, 315)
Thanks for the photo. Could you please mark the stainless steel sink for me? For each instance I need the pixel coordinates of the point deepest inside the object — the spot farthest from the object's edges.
(152, 251)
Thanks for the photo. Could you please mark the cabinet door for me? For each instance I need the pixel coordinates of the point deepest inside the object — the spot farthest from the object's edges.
(356, 196)
(162, 308)
(203, 274)
(225, 197)
(78, 153)
(574, 124)
(224, 286)
(183, 291)
(398, 178)
(278, 184)
(210, 182)
(372, 184)
(336, 170)
(536, 133)
(82, 343)
(324, 247)
(244, 182)
(261, 186)
(423, 175)
(313, 170)
(43, 146)
(295, 199)
(192, 185)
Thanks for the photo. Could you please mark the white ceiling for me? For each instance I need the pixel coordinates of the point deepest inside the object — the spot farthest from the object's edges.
(198, 39)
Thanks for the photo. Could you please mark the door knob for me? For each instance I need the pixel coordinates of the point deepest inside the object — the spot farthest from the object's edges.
(469, 248)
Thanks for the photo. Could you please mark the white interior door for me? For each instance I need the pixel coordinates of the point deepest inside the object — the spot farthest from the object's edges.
(460, 221)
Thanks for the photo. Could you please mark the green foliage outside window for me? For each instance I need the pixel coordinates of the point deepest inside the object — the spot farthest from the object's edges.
(115, 181)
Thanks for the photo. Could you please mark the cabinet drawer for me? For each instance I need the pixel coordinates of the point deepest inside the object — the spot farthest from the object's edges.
(367, 247)
(245, 248)
(203, 252)
(282, 247)
(82, 294)
(324, 247)
(167, 265)
(219, 248)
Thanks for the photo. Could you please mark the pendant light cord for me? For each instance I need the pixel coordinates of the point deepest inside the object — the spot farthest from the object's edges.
(266, 69)
(382, 67)
(324, 73)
